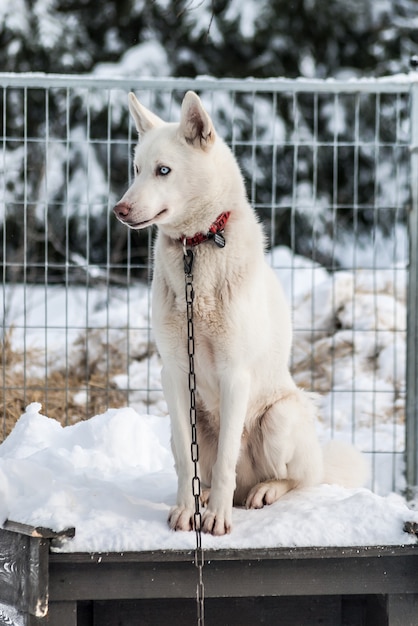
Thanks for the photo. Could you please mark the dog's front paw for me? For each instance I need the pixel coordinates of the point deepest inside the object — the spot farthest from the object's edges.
(204, 497)
(181, 518)
(216, 522)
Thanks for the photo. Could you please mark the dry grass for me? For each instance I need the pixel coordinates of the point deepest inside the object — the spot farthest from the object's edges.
(313, 364)
(58, 392)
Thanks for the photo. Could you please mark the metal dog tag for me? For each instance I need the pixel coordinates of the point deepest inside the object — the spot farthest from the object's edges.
(219, 239)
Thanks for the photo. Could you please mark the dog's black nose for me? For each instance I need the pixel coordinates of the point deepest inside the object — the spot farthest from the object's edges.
(122, 210)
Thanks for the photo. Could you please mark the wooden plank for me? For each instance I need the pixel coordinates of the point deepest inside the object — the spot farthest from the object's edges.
(40, 532)
(13, 567)
(38, 577)
(323, 577)
(10, 615)
(24, 557)
(93, 581)
(322, 573)
(24, 572)
(263, 554)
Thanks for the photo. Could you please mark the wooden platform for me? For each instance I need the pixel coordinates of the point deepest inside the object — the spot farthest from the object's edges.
(373, 586)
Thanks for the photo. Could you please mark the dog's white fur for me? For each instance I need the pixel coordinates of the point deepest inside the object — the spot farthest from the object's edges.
(256, 429)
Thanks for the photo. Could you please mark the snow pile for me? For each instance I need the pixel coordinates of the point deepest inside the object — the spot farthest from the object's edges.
(112, 478)
(354, 333)
(349, 346)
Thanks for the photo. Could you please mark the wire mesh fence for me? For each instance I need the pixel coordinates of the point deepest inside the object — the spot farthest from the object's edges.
(328, 170)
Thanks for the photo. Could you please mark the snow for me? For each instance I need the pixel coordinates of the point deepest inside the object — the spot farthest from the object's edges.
(145, 59)
(350, 335)
(246, 15)
(112, 478)
(14, 18)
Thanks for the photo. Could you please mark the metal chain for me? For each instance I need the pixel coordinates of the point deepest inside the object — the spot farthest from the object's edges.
(196, 486)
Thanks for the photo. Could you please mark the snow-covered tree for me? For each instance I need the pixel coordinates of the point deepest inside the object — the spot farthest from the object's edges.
(340, 38)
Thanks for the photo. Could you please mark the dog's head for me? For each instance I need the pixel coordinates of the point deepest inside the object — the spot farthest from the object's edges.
(175, 171)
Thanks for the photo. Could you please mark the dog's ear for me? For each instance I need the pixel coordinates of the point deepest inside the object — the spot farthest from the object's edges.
(195, 124)
(144, 119)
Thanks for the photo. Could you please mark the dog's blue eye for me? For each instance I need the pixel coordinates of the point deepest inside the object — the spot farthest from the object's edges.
(163, 170)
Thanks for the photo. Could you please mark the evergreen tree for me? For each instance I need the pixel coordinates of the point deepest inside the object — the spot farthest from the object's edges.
(221, 38)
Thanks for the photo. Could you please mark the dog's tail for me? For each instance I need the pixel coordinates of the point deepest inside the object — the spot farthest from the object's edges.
(344, 465)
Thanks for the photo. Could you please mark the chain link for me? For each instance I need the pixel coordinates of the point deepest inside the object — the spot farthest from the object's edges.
(196, 486)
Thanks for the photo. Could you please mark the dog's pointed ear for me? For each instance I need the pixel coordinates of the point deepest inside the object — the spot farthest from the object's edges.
(195, 124)
(144, 119)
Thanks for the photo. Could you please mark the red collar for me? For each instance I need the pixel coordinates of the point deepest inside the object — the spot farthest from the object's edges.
(214, 233)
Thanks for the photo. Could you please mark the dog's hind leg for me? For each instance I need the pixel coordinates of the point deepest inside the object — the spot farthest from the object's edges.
(285, 449)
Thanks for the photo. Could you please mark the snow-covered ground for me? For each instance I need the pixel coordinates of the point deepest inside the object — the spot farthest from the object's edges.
(112, 476)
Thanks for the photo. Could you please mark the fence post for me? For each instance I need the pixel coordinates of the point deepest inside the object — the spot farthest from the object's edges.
(411, 433)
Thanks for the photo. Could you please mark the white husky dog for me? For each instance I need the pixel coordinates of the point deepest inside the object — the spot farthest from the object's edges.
(256, 429)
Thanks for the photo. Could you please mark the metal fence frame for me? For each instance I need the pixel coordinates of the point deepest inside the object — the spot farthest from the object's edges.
(405, 84)
(411, 433)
